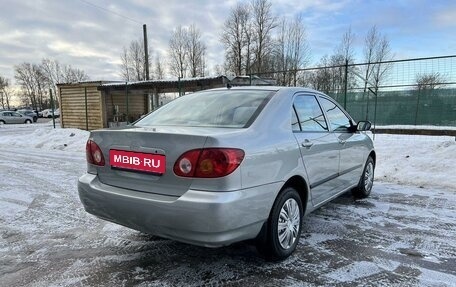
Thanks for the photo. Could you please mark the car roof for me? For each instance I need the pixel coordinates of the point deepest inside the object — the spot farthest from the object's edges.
(269, 88)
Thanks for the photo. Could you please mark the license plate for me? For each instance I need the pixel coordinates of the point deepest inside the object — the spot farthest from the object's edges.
(137, 161)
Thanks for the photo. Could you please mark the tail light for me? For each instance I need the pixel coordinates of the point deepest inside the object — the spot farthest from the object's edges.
(94, 154)
(209, 162)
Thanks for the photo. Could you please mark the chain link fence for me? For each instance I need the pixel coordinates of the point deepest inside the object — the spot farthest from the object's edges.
(418, 91)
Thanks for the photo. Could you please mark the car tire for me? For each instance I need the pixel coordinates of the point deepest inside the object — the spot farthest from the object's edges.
(2, 122)
(27, 121)
(366, 181)
(280, 234)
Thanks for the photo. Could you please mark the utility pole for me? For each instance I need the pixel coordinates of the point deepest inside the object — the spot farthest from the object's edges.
(146, 52)
(150, 98)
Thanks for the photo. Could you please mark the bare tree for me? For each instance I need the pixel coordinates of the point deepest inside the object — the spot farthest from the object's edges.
(292, 50)
(343, 56)
(5, 93)
(159, 67)
(35, 80)
(26, 78)
(236, 38)
(320, 79)
(346, 48)
(125, 67)
(370, 45)
(376, 51)
(73, 75)
(382, 54)
(429, 81)
(55, 73)
(133, 67)
(263, 24)
(196, 52)
(178, 54)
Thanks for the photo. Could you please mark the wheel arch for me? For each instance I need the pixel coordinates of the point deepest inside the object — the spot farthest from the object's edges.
(373, 155)
(298, 183)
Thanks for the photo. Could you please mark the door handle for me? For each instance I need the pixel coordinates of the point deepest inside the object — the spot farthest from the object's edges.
(307, 143)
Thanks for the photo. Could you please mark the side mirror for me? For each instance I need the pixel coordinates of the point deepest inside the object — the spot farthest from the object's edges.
(363, 126)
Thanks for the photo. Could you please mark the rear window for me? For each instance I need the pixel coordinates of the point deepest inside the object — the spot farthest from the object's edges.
(225, 108)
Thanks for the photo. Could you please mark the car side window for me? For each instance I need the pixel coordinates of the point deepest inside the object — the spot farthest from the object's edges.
(336, 117)
(309, 114)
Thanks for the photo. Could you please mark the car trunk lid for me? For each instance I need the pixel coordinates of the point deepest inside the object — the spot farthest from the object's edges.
(166, 143)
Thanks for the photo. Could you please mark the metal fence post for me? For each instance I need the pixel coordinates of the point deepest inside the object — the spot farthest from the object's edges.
(52, 107)
(126, 98)
(179, 85)
(417, 106)
(346, 84)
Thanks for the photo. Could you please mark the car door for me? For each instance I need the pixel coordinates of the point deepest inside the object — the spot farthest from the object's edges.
(8, 117)
(352, 151)
(319, 148)
(16, 118)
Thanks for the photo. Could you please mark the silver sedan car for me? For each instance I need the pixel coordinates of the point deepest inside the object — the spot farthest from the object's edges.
(12, 117)
(226, 165)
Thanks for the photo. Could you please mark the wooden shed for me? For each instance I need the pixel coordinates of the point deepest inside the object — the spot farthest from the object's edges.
(73, 99)
(81, 105)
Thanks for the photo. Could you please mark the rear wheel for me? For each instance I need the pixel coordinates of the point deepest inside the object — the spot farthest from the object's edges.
(27, 121)
(2, 122)
(281, 233)
(366, 181)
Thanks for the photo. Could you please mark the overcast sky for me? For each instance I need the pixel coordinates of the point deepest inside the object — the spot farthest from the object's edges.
(77, 33)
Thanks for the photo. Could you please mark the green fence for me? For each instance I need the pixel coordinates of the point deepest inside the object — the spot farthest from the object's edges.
(418, 91)
(407, 107)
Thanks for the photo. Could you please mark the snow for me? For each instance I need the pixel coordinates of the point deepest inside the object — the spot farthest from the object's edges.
(413, 127)
(43, 136)
(416, 160)
(354, 271)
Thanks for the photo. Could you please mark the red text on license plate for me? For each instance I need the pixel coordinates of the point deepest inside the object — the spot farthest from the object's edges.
(147, 162)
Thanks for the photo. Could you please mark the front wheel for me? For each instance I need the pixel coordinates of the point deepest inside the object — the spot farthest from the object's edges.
(2, 122)
(280, 235)
(28, 121)
(366, 181)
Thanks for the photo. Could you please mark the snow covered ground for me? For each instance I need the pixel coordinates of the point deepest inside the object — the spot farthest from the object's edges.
(403, 235)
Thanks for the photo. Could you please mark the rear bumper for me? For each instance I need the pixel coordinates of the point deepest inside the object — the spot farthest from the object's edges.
(210, 219)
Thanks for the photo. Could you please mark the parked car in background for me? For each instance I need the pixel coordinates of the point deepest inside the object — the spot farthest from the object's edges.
(12, 117)
(225, 165)
(29, 113)
(48, 113)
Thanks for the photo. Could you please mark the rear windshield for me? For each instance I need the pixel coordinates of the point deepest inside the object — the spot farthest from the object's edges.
(225, 108)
